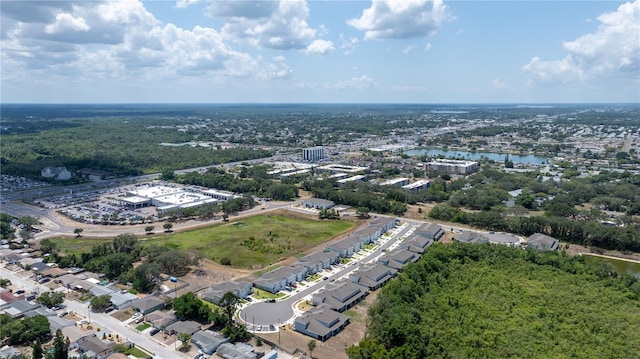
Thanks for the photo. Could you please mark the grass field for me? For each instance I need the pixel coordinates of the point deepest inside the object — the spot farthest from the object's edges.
(256, 242)
(78, 245)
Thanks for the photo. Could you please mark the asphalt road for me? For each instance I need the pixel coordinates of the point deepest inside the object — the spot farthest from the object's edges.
(262, 313)
(101, 319)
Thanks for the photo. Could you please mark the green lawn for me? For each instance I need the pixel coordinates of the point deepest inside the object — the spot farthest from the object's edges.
(78, 245)
(261, 294)
(260, 240)
(143, 326)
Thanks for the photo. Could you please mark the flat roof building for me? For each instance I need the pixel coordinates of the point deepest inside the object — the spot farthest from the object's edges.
(453, 166)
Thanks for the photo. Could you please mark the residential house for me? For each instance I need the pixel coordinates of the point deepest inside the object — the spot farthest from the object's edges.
(92, 347)
(277, 279)
(208, 341)
(18, 308)
(123, 300)
(148, 304)
(346, 247)
(186, 326)
(398, 258)
(431, 231)
(373, 275)
(317, 261)
(242, 289)
(542, 242)
(416, 244)
(236, 351)
(471, 237)
(340, 296)
(161, 320)
(320, 323)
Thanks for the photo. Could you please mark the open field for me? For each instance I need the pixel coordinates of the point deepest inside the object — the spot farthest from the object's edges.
(78, 245)
(258, 241)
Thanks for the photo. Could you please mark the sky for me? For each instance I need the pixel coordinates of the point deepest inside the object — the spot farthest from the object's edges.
(315, 51)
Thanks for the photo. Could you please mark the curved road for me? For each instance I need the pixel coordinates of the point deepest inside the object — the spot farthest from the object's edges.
(263, 313)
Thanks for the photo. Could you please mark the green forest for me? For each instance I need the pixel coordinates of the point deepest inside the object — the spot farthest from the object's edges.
(492, 301)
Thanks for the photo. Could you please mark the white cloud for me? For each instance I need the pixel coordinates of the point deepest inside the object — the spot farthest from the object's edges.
(399, 19)
(117, 40)
(348, 46)
(500, 85)
(408, 49)
(355, 83)
(277, 25)
(319, 47)
(66, 22)
(181, 4)
(427, 47)
(611, 51)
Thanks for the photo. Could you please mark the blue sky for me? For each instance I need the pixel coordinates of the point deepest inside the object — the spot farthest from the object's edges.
(297, 51)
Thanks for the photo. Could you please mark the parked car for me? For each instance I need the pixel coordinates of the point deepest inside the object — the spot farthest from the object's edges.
(154, 331)
(271, 300)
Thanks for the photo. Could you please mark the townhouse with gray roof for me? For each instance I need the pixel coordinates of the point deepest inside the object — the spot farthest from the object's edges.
(320, 323)
(373, 275)
(340, 296)
(416, 244)
(242, 289)
(398, 258)
(431, 231)
(317, 261)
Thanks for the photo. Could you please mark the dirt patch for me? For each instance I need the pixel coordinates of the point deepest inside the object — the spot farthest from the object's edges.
(122, 315)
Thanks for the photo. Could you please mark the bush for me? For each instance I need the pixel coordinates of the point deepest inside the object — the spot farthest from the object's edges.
(225, 261)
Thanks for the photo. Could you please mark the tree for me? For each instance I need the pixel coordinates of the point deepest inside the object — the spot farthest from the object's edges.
(145, 277)
(149, 229)
(48, 246)
(126, 243)
(174, 262)
(28, 221)
(311, 345)
(229, 303)
(168, 175)
(60, 346)
(225, 217)
(38, 353)
(77, 231)
(4, 282)
(190, 307)
(167, 227)
(100, 303)
(186, 340)
(51, 299)
(362, 213)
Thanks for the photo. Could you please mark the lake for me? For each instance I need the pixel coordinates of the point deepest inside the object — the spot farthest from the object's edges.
(621, 266)
(531, 159)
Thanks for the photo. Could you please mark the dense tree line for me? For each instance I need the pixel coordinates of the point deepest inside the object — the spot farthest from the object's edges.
(359, 195)
(583, 232)
(24, 331)
(492, 301)
(250, 180)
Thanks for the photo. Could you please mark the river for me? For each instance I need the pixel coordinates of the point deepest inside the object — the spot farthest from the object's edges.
(531, 159)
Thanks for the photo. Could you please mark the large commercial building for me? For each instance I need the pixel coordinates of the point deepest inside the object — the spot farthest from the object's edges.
(313, 154)
(456, 167)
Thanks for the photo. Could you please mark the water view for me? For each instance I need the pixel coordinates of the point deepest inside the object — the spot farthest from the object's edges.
(621, 266)
(530, 159)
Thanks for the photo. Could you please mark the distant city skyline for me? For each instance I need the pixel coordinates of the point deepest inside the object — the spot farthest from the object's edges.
(297, 51)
